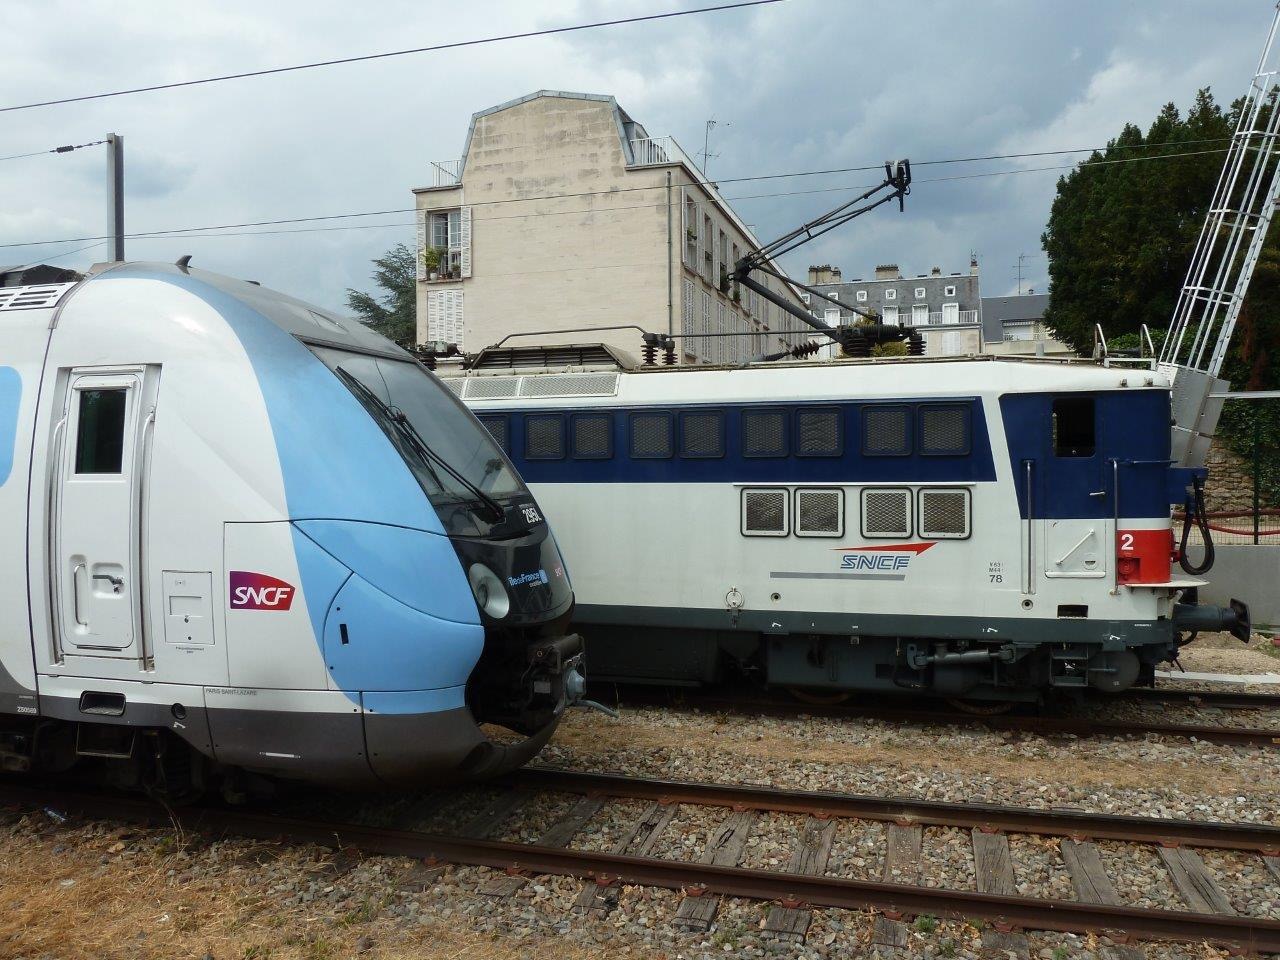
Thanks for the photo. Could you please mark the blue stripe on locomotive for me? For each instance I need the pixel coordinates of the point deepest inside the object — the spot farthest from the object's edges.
(423, 630)
(1132, 427)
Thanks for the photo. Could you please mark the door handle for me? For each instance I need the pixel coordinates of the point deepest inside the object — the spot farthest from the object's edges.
(116, 582)
(76, 580)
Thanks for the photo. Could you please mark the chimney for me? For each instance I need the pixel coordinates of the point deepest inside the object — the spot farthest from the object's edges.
(973, 266)
(887, 271)
(824, 274)
(935, 272)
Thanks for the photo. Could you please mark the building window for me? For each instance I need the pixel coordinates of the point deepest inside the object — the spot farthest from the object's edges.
(890, 314)
(949, 291)
(726, 265)
(708, 251)
(690, 233)
(919, 314)
(831, 316)
(861, 296)
(834, 294)
(444, 238)
(891, 294)
(806, 298)
(951, 313)
(920, 293)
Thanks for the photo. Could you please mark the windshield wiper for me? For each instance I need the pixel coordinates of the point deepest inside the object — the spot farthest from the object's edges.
(425, 453)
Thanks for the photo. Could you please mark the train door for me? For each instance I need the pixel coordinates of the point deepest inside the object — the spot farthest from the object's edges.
(1077, 493)
(97, 505)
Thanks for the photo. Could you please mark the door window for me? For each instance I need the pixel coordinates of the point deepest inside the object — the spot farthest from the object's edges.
(100, 438)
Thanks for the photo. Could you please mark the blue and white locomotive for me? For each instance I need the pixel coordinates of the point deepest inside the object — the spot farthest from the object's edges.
(241, 533)
(978, 528)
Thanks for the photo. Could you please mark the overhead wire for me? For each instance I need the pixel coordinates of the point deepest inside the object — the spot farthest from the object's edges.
(239, 227)
(63, 149)
(454, 45)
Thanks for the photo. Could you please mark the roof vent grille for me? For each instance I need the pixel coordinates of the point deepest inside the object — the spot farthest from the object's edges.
(33, 298)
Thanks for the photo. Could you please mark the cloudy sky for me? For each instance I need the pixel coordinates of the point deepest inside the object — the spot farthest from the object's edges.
(800, 85)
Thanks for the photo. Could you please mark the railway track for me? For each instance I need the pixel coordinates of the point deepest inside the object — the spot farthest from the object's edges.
(1045, 725)
(1203, 911)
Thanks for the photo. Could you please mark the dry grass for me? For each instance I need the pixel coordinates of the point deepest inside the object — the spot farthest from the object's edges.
(589, 739)
(1223, 653)
(61, 900)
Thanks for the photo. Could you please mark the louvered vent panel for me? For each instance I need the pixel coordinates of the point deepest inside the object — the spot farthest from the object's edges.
(456, 384)
(885, 431)
(492, 388)
(570, 385)
(497, 427)
(703, 435)
(651, 435)
(591, 436)
(944, 430)
(886, 513)
(543, 438)
(764, 434)
(818, 433)
(944, 514)
(39, 297)
(764, 513)
(819, 513)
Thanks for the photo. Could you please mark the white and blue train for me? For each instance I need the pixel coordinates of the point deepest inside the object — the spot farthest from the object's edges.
(978, 528)
(242, 534)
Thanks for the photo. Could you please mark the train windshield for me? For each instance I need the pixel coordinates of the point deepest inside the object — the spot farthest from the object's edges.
(451, 454)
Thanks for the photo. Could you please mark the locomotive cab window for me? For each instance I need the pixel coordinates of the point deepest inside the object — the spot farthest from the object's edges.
(1074, 427)
(100, 433)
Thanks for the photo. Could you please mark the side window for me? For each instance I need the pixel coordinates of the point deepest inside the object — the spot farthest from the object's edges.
(702, 435)
(498, 428)
(944, 430)
(100, 431)
(764, 512)
(819, 433)
(886, 431)
(764, 433)
(650, 436)
(544, 436)
(1074, 433)
(592, 436)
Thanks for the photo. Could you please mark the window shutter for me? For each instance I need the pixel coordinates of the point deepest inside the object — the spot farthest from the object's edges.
(464, 242)
(422, 246)
(444, 316)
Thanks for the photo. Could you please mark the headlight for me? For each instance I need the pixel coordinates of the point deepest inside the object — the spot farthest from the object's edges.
(491, 595)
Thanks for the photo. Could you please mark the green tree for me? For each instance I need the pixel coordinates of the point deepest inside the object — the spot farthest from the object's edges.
(1120, 238)
(392, 311)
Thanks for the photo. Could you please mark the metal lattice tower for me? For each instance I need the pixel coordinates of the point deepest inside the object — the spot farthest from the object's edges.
(1222, 266)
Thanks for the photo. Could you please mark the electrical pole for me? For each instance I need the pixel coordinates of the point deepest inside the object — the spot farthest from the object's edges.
(115, 197)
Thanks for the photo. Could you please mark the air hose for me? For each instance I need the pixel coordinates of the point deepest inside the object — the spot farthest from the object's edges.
(1194, 513)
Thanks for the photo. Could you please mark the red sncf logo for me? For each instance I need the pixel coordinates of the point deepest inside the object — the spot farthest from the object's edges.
(257, 591)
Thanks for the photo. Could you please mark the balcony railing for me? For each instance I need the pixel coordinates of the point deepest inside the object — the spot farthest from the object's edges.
(653, 150)
(960, 316)
(446, 173)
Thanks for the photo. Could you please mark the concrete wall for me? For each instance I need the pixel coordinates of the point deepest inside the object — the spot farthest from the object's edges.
(1249, 573)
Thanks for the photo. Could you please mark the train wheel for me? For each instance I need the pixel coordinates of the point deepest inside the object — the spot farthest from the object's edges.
(817, 698)
(980, 708)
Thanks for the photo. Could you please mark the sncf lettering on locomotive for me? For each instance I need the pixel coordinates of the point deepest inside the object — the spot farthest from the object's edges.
(259, 591)
(875, 561)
